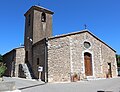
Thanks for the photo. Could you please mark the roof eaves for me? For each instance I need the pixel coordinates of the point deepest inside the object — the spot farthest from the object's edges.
(79, 32)
(39, 8)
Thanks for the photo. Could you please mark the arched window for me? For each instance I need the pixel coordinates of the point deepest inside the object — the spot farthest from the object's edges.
(43, 17)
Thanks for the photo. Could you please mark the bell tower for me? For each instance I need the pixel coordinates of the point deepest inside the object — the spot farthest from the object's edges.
(38, 25)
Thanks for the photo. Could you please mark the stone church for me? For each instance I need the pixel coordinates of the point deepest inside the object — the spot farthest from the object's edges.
(69, 57)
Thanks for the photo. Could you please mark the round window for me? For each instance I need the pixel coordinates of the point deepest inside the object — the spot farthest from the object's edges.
(87, 45)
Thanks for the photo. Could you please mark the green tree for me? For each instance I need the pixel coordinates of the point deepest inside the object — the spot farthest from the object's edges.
(2, 66)
(118, 60)
(2, 70)
(1, 59)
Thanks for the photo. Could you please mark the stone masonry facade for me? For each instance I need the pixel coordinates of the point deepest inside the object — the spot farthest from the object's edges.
(13, 59)
(66, 57)
(39, 59)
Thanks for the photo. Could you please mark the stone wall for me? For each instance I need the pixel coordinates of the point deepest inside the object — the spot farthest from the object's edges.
(7, 86)
(20, 59)
(66, 56)
(41, 30)
(95, 50)
(37, 30)
(109, 56)
(13, 59)
(39, 58)
(28, 36)
(9, 59)
(59, 60)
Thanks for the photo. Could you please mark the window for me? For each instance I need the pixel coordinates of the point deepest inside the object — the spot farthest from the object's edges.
(37, 61)
(29, 17)
(26, 57)
(87, 45)
(43, 17)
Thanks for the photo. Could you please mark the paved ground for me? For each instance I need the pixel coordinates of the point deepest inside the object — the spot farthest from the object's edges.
(23, 83)
(108, 85)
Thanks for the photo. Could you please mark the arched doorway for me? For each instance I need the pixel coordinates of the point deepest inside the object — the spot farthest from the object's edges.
(88, 64)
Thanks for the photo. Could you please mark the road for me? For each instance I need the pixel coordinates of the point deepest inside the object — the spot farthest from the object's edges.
(108, 85)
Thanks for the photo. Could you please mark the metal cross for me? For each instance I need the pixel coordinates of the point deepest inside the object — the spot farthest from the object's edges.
(85, 26)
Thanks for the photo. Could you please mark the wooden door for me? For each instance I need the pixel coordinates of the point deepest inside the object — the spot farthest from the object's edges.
(88, 64)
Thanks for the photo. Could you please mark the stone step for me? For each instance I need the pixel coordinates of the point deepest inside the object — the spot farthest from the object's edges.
(26, 71)
(90, 77)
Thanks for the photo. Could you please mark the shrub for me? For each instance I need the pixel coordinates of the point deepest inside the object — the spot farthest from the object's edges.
(118, 60)
(2, 70)
(1, 58)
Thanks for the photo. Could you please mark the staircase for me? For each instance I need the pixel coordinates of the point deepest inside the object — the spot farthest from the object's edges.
(26, 71)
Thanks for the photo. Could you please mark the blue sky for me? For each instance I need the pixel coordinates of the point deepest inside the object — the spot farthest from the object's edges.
(102, 18)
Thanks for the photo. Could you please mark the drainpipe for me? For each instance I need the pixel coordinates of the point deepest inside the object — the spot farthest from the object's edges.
(46, 40)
